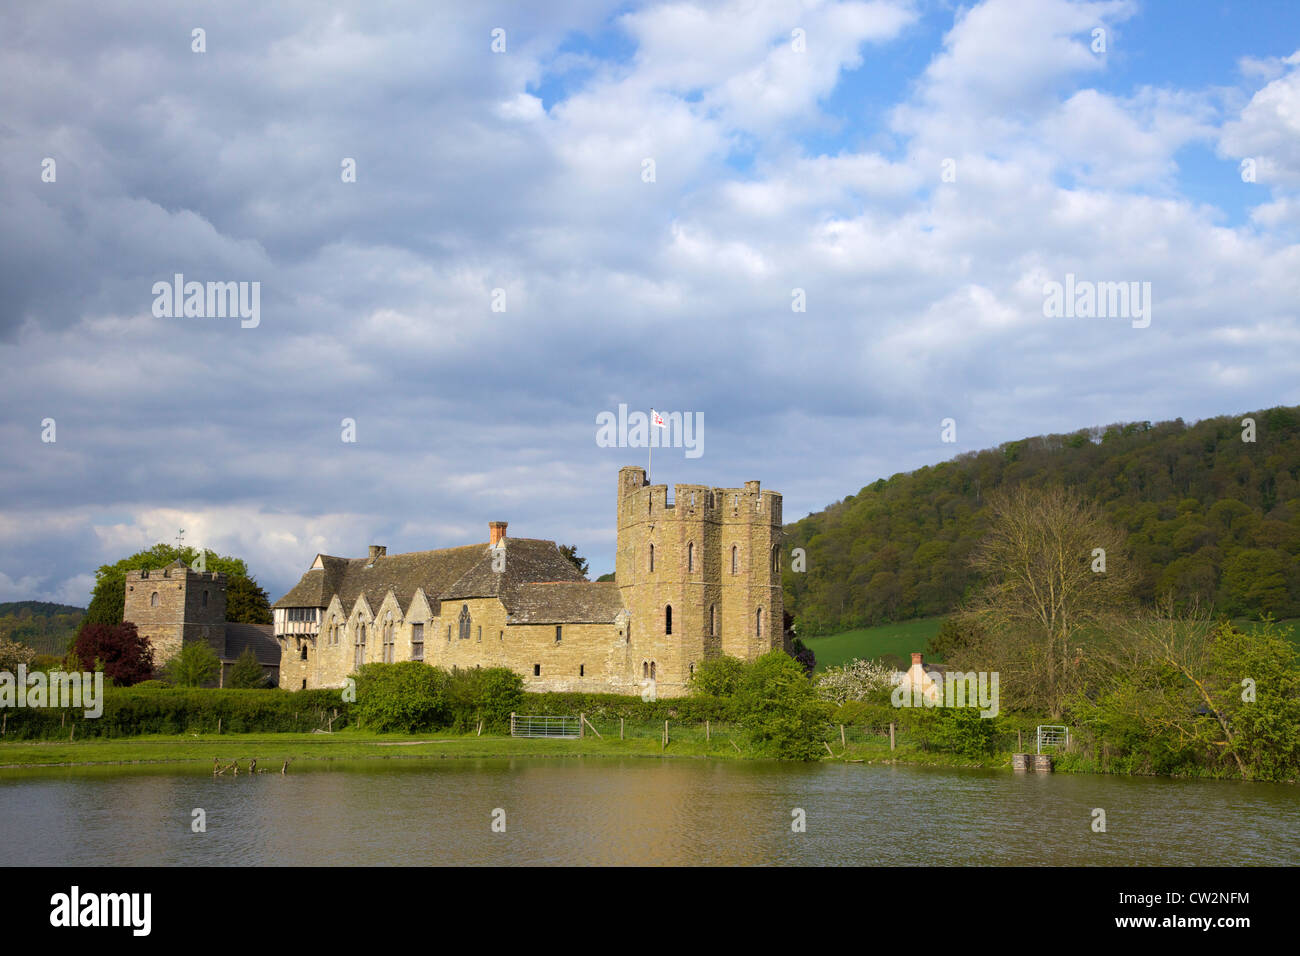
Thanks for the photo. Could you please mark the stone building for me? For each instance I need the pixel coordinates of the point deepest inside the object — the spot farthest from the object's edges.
(176, 604)
(696, 576)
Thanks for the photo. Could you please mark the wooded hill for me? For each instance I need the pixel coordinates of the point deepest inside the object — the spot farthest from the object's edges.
(1208, 515)
(44, 627)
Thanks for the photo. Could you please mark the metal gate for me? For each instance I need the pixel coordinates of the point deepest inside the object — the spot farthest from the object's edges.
(568, 728)
(1053, 735)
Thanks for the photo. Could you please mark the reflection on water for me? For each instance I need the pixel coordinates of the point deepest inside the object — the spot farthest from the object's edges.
(634, 811)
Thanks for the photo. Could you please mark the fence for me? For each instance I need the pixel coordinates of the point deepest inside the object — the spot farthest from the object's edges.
(568, 728)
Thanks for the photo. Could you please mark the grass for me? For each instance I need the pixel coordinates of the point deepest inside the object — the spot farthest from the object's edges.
(272, 749)
(871, 642)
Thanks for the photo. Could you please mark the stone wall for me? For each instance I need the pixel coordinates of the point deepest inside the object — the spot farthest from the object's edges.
(191, 606)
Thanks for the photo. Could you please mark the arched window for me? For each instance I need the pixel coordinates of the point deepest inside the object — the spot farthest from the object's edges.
(153, 599)
(652, 670)
(668, 619)
(464, 622)
(359, 648)
(758, 623)
(692, 668)
(690, 556)
(652, 557)
(304, 652)
(390, 644)
(645, 668)
(735, 559)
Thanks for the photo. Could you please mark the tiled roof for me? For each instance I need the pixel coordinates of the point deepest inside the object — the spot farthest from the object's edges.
(445, 574)
(260, 637)
(565, 602)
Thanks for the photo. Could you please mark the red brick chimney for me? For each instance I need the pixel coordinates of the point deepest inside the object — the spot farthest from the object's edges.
(496, 532)
(916, 658)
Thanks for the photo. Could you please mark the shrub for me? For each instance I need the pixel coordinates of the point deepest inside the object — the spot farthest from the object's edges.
(405, 696)
(125, 656)
(195, 665)
(487, 694)
(777, 704)
(718, 677)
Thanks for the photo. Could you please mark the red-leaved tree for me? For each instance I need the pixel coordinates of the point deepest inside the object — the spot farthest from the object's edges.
(127, 657)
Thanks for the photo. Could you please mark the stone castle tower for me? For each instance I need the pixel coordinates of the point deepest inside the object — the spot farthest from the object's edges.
(177, 604)
(700, 574)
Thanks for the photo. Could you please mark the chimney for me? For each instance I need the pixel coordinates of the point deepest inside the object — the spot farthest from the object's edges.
(377, 551)
(916, 658)
(496, 532)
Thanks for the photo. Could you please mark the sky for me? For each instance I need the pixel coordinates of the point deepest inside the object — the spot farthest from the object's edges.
(825, 230)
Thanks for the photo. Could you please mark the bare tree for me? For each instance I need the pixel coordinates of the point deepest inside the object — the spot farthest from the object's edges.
(1055, 574)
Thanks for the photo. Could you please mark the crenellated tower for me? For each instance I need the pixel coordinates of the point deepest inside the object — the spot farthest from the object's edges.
(699, 573)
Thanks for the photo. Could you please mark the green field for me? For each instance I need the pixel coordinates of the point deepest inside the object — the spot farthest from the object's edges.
(870, 642)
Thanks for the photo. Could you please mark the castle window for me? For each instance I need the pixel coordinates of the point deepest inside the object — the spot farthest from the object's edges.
(304, 653)
(501, 635)
(652, 670)
(304, 683)
(153, 599)
(205, 598)
(776, 559)
(692, 668)
(448, 633)
(668, 619)
(690, 556)
(758, 623)
(735, 559)
(359, 649)
(417, 642)
(390, 644)
(479, 638)
(464, 622)
(559, 633)
(645, 668)
(652, 557)
(537, 670)
(582, 670)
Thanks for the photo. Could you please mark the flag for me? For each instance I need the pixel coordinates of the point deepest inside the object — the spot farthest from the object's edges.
(657, 420)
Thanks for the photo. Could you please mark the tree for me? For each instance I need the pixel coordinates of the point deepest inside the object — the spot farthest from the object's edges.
(126, 656)
(12, 655)
(1044, 591)
(570, 551)
(717, 676)
(955, 634)
(196, 664)
(246, 602)
(857, 680)
(246, 671)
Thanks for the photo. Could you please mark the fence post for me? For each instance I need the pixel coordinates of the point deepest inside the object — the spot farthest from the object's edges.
(581, 718)
(891, 735)
(708, 735)
(512, 717)
(218, 725)
(1020, 743)
(842, 743)
(620, 728)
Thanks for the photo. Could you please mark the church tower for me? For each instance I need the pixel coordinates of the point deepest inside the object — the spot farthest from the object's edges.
(699, 573)
(174, 605)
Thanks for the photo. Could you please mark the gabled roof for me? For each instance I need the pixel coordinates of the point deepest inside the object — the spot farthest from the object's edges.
(565, 602)
(445, 574)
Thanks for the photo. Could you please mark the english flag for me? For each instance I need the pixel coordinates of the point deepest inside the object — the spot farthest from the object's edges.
(657, 419)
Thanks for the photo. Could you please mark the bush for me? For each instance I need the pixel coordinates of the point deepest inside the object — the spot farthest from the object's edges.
(405, 697)
(196, 664)
(246, 671)
(778, 707)
(718, 677)
(489, 695)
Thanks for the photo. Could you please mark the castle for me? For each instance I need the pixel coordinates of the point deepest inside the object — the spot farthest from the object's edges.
(175, 605)
(696, 577)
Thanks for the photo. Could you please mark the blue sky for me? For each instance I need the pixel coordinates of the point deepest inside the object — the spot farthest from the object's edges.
(777, 168)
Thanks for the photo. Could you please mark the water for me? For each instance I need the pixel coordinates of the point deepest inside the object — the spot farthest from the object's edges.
(634, 811)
